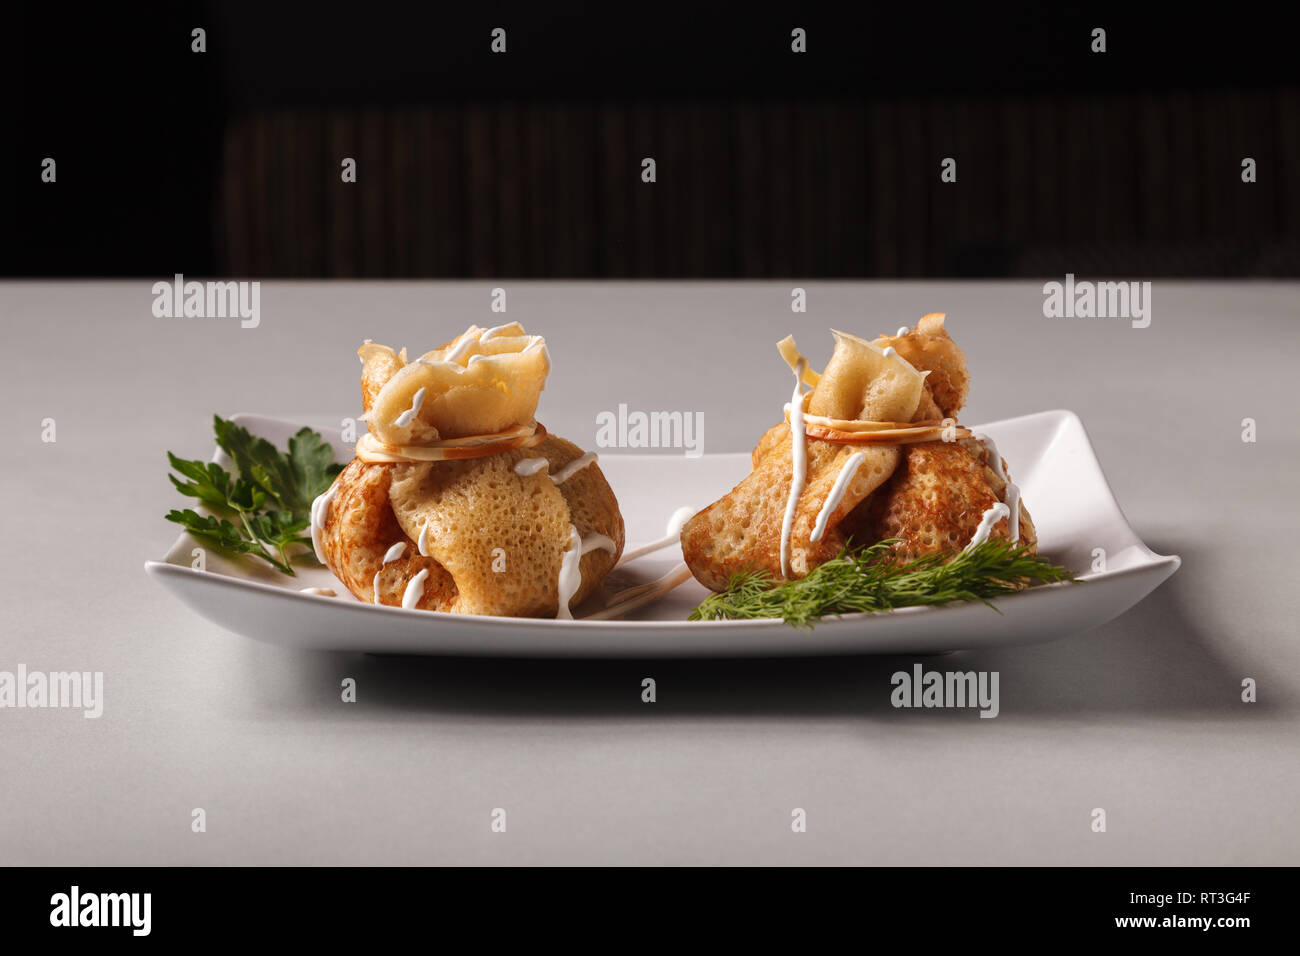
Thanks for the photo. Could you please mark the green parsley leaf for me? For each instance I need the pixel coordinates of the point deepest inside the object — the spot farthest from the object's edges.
(270, 493)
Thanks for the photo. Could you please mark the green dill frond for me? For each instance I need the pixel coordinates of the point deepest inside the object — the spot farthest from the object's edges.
(870, 580)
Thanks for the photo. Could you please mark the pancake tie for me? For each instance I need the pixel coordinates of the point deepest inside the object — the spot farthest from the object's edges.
(845, 431)
(374, 452)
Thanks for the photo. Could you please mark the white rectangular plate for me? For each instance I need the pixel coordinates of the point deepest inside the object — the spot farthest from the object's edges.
(1050, 457)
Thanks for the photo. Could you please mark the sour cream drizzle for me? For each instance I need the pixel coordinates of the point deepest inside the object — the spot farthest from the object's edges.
(991, 517)
(423, 544)
(395, 552)
(463, 346)
(837, 494)
(452, 358)
(1012, 494)
(374, 586)
(319, 507)
(672, 535)
(414, 590)
(902, 330)
(573, 467)
(571, 570)
(798, 463)
(408, 416)
(530, 466)
(890, 352)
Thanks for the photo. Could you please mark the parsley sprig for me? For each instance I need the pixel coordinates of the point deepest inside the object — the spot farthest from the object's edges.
(870, 580)
(268, 497)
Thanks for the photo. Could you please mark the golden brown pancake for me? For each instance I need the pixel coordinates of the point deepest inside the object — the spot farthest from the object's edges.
(930, 349)
(931, 495)
(742, 530)
(935, 500)
(495, 539)
(359, 528)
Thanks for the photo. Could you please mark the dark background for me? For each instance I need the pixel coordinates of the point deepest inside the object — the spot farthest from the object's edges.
(769, 163)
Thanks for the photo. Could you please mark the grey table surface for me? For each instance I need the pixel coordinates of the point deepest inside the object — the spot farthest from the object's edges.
(1142, 717)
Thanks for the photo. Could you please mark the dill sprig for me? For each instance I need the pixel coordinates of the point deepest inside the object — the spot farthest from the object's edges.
(871, 580)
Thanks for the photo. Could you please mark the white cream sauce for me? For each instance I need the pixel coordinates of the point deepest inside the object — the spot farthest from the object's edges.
(423, 544)
(452, 358)
(463, 346)
(573, 467)
(319, 508)
(991, 517)
(672, 535)
(408, 416)
(798, 463)
(837, 493)
(890, 352)
(570, 575)
(414, 590)
(1012, 494)
(597, 541)
(530, 466)
(571, 567)
(678, 521)
(395, 552)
